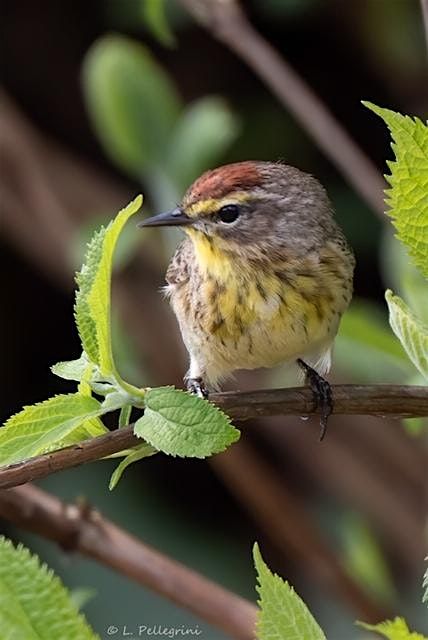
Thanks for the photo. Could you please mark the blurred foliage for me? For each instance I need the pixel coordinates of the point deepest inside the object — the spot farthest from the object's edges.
(142, 123)
(364, 558)
(153, 13)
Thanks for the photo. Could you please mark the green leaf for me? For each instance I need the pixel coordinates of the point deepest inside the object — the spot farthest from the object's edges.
(412, 334)
(92, 309)
(131, 101)
(181, 424)
(154, 15)
(202, 134)
(85, 278)
(396, 629)
(142, 451)
(407, 196)
(34, 604)
(71, 369)
(283, 615)
(41, 427)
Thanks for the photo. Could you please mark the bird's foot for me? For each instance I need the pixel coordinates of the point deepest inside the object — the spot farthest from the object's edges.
(197, 387)
(323, 397)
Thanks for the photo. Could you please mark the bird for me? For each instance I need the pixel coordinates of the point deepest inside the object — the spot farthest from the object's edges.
(262, 277)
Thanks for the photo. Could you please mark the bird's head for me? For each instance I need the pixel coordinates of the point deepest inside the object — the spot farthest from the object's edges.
(253, 206)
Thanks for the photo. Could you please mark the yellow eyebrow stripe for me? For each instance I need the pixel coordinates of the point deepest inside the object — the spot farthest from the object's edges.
(210, 205)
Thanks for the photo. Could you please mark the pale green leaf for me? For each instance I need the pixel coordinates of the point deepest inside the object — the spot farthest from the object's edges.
(92, 308)
(283, 615)
(142, 451)
(202, 134)
(34, 604)
(412, 334)
(131, 101)
(71, 369)
(154, 15)
(81, 596)
(38, 428)
(407, 197)
(182, 424)
(396, 629)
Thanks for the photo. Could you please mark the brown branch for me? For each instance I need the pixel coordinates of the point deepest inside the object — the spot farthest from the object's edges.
(228, 23)
(377, 400)
(287, 525)
(85, 530)
(424, 8)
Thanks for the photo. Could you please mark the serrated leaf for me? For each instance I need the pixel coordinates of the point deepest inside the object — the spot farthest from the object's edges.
(142, 451)
(131, 101)
(41, 427)
(34, 604)
(181, 424)
(407, 197)
(92, 307)
(71, 369)
(412, 334)
(283, 615)
(154, 15)
(203, 132)
(84, 278)
(396, 629)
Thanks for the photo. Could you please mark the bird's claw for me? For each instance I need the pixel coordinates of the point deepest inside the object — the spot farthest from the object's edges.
(197, 387)
(323, 397)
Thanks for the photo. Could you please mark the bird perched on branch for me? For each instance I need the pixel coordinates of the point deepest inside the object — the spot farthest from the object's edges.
(262, 277)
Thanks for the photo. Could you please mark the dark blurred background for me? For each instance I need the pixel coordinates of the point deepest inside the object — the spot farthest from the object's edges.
(352, 510)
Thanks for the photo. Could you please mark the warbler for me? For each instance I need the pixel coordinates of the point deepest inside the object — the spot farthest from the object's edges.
(262, 277)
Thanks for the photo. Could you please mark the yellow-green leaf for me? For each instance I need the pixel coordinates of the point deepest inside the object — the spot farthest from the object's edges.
(142, 451)
(411, 332)
(408, 195)
(34, 604)
(93, 298)
(47, 425)
(283, 615)
(396, 629)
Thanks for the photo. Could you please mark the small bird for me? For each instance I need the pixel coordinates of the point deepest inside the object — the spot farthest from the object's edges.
(262, 277)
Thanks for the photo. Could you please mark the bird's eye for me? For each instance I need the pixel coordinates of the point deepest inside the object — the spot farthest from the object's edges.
(229, 213)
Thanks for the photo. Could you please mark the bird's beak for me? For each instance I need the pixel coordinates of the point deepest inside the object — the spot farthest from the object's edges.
(174, 218)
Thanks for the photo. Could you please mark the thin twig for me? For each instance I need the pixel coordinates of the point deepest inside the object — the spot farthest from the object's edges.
(227, 22)
(424, 7)
(85, 530)
(377, 400)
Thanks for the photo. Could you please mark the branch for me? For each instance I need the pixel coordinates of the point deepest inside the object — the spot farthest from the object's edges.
(376, 400)
(85, 530)
(424, 7)
(228, 23)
